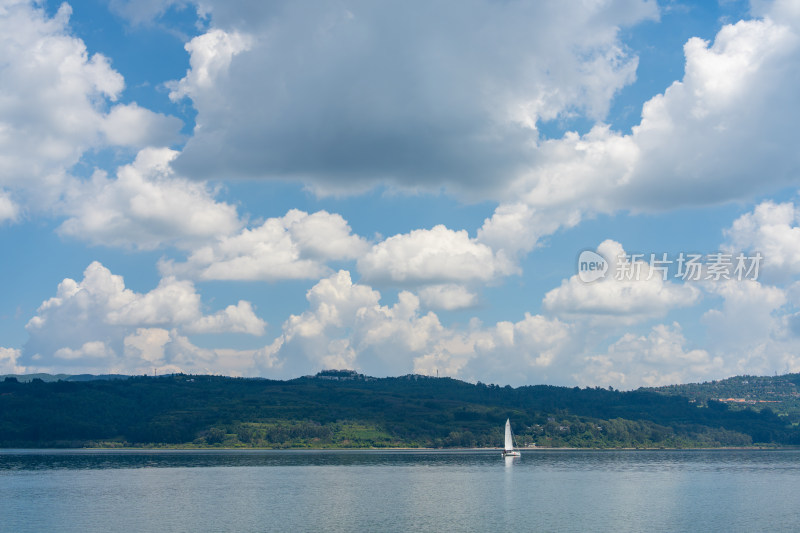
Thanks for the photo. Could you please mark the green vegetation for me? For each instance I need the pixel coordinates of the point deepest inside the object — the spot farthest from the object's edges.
(779, 393)
(345, 409)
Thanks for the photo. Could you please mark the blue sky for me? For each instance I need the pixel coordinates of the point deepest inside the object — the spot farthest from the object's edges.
(275, 188)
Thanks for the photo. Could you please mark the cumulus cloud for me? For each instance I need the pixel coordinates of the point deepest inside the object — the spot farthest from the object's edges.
(346, 326)
(697, 139)
(9, 211)
(295, 246)
(341, 98)
(98, 325)
(89, 350)
(534, 350)
(146, 207)
(658, 358)
(771, 229)
(693, 146)
(514, 229)
(131, 125)
(98, 322)
(433, 256)
(147, 344)
(342, 95)
(746, 323)
(722, 133)
(166, 351)
(146, 351)
(752, 328)
(52, 110)
(631, 291)
(374, 110)
(9, 358)
(239, 318)
(448, 296)
(210, 56)
(316, 338)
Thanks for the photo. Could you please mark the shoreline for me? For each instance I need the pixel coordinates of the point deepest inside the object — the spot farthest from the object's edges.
(524, 451)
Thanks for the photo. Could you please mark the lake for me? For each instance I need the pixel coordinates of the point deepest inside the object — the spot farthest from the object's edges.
(257, 490)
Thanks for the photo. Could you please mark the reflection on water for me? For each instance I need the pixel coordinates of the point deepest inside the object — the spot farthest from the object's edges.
(255, 490)
(510, 459)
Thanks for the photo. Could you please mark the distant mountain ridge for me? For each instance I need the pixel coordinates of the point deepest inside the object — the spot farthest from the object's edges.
(342, 408)
(751, 389)
(26, 378)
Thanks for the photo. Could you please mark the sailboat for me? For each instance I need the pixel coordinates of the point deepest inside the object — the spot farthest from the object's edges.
(508, 448)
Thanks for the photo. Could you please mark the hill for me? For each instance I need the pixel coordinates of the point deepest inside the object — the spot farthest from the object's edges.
(346, 409)
(779, 393)
(25, 378)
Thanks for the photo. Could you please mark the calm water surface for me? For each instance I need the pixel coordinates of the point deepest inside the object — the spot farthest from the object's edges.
(544, 490)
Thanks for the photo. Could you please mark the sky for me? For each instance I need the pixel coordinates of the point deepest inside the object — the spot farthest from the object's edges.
(594, 193)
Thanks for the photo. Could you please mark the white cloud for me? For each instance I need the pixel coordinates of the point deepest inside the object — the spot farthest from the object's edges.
(433, 256)
(630, 292)
(239, 318)
(536, 349)
(447, 296)
(53, 106)
(147, 344)
(658, 358)
(156, 349)
(180, 353)
(131, 125)
(344, 95)
(316, 339)
(146, 207)
(515, 228)
(698, 139)
(295, 246)
(578, 172)
(99, 323)
(771, 229)
(89, 350)
(746, 323)
(210, 56)
(147, 351)
(346, 326)
(323, 235)
(9, 358)
(724, 132)
(755, 330)
(341, 97)
(784, 10)
(9, 211)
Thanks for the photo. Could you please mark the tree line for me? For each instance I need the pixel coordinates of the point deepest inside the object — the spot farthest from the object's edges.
(352, 411)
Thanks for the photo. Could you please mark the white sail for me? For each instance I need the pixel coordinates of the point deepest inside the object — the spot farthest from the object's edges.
(508, 448)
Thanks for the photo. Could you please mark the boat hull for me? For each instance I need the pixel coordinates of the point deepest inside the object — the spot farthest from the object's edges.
(511, 454)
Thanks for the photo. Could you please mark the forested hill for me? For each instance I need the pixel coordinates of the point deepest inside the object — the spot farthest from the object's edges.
(345, 409)
(780, 393)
